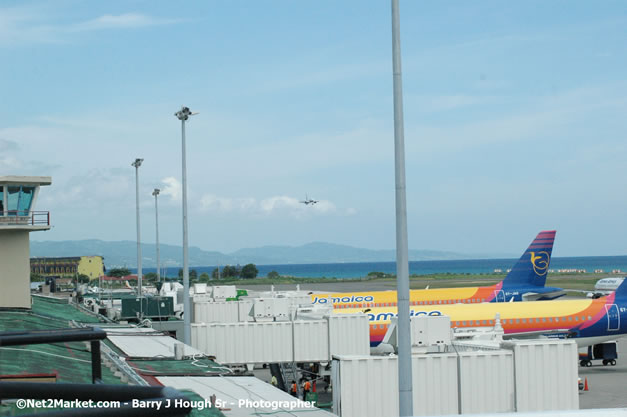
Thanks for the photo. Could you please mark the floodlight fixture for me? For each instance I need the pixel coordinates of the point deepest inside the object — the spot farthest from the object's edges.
(184, 113)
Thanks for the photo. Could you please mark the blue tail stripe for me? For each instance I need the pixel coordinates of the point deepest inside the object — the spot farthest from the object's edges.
(621, 291)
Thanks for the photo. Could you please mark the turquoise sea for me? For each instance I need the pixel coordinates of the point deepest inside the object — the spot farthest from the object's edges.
(473, 266)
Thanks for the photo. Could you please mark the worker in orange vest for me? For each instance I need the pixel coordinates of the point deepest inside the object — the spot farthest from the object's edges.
(294, 389)
(306, 389)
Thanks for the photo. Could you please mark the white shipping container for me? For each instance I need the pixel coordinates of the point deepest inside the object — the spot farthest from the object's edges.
(202, 298)
(270, 308)
(300, 300)
(311, 341)
(262, 308)
(221, 292)
(545, 374)
(200, 288)
(216, 312)
(487, 381)
(349, 334)
(430, 330)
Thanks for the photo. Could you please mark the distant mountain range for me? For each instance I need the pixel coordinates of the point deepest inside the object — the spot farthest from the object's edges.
(124, 253)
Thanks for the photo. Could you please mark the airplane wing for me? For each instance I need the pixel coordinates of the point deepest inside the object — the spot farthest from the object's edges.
(590, 293)
(533, 296)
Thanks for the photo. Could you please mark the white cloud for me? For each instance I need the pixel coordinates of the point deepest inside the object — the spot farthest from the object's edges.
(8, 163)
(279, 202)
(90, 192)
(28, 24)
(172, 188)
(122, 21)
(210, 202)
(23, 25)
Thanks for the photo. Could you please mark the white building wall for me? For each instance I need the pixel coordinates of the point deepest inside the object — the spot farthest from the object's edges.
(14, 268)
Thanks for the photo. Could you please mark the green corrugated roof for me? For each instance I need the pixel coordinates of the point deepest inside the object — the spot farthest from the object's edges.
(71, 361)
(60, 309)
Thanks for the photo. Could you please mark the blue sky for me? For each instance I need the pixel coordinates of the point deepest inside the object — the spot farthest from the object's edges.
(515, 120)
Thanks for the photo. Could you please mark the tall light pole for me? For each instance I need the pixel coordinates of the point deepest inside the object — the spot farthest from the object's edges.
(405, 390)
(156, 193)
(183, 115)
(137, 164)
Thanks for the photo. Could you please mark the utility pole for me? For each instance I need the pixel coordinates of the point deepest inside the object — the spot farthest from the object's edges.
(405, 390)
(183, 115)
(156, 193)
(137, 164)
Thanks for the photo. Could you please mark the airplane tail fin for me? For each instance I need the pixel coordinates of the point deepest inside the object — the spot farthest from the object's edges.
(621, 291)
(533, 265)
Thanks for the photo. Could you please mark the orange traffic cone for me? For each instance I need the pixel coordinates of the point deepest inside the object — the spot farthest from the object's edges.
(585, 384)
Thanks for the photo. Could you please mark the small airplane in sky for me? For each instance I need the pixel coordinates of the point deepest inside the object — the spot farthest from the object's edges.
(307, 201)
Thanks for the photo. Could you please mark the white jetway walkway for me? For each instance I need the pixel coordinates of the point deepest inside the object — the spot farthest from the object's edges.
(283, 341)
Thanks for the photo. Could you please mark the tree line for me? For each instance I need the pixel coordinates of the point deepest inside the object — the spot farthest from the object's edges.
(248, 271)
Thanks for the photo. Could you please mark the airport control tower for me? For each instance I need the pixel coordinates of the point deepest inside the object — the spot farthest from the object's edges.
(18, 196)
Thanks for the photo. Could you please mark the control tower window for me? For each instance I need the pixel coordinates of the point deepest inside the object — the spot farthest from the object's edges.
(19, 199)
(1, 201)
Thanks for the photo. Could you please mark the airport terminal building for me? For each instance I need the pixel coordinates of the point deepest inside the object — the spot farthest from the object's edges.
(92, 266)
